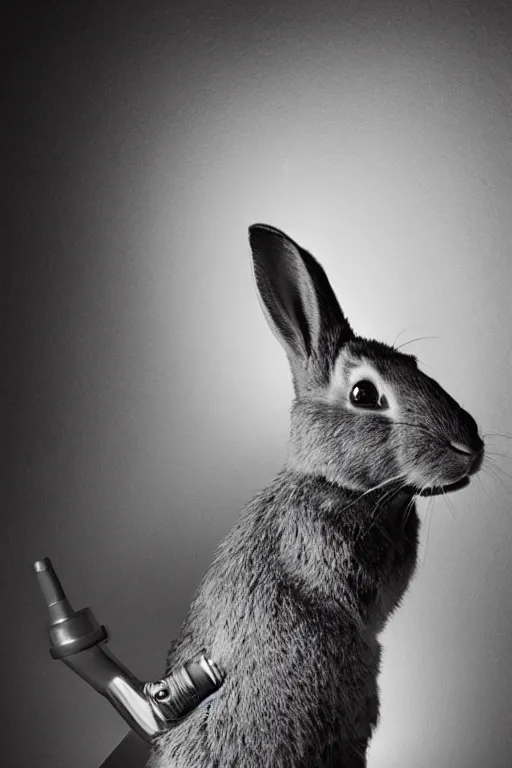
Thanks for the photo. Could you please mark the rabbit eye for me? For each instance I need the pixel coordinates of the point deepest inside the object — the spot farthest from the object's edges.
(365, 394)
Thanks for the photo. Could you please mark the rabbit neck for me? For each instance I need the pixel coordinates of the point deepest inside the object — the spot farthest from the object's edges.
(340, 547)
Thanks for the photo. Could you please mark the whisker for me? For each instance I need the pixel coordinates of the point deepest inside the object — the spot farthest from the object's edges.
(363, 534)
(419, 338)
(498, 434)
(449, 504)
(499, 495)
(498, 468)
(496, 453)
(492, 469)
(429, 517)
(375, 488)
(501, 472)
(396, 339)
(409, 507)
(482, 486)
(379, 506)
(488, 469)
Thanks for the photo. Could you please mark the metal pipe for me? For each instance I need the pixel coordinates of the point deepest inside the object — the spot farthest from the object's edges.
(77, 639)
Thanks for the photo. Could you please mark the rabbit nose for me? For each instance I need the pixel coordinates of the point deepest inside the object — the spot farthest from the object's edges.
(460, 448)
(474, 451)
(471, 443)
(471, 448)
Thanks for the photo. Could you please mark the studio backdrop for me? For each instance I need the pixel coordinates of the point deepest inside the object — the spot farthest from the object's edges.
(145, 400)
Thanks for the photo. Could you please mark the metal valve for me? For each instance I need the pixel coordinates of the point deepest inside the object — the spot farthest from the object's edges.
(77, 639)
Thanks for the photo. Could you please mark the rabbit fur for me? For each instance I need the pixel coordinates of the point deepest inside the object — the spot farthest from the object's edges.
(296, 595)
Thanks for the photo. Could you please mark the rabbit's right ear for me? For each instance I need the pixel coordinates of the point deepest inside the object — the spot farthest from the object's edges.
(299, 303)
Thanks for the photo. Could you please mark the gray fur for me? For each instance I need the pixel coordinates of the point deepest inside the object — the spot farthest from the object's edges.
(294, 600)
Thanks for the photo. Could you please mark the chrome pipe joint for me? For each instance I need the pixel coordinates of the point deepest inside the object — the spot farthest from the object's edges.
(77, 639)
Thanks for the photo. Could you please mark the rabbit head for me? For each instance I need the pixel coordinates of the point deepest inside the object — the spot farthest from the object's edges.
(363, 414)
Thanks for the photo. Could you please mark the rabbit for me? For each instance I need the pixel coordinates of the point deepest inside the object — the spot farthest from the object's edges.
(293, 603)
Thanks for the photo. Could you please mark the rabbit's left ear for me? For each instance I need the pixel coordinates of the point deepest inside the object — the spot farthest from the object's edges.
(299, 303)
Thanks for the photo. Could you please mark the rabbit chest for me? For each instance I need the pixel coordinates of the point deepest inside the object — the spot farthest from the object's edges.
(356, 553)
(291, 608)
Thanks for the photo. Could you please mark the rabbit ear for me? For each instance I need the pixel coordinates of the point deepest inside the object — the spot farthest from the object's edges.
(298, 301)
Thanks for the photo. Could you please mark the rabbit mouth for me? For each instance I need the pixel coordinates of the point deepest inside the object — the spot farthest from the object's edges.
(437, 490)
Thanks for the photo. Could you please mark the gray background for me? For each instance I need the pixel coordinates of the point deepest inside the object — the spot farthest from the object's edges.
(144, 399)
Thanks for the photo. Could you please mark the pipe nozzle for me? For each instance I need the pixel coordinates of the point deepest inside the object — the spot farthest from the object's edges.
(58, 605)
(70, 631)
(78, 639)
